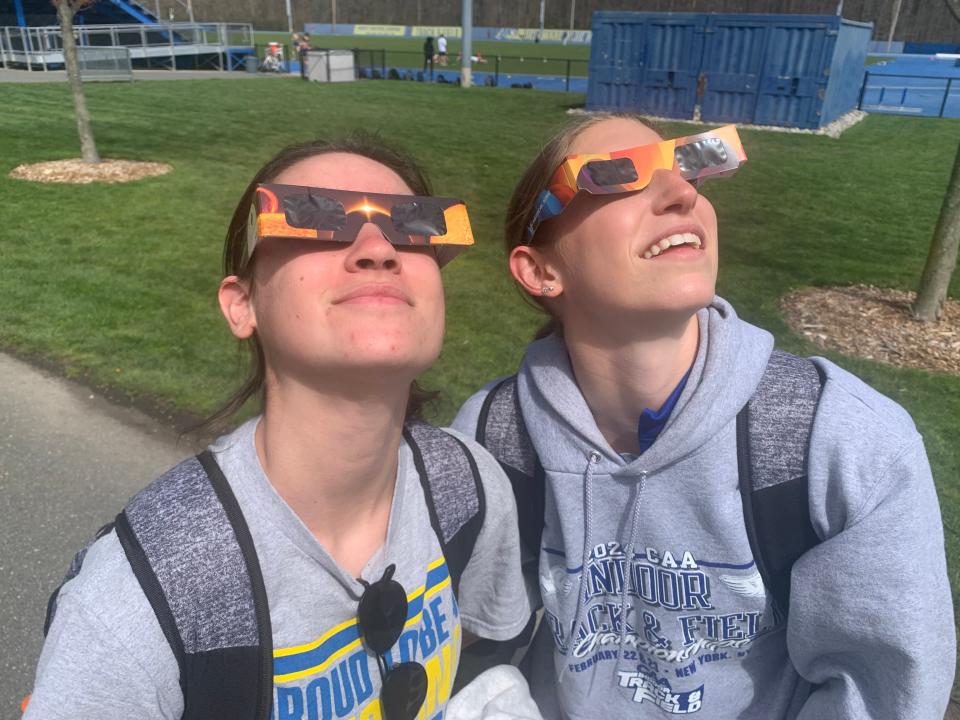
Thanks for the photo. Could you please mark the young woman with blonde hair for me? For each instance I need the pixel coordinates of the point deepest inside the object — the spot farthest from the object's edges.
(638, 411)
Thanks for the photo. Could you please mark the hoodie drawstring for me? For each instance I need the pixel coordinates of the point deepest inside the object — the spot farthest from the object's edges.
(627, 570)
(593, 459)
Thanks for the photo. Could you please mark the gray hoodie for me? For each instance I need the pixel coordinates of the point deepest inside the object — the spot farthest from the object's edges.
(653, 605)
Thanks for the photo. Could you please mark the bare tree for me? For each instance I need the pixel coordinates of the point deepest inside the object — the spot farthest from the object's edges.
(954, 7)
(66, 9)
(942, 259)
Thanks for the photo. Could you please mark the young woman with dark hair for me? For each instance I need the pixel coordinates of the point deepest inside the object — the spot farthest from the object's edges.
(332, 274)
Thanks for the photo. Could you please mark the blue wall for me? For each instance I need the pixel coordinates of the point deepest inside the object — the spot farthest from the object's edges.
(846, 71)
(547, 37)
(917, 48)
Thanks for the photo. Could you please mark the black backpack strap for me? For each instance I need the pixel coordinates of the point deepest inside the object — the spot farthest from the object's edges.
(191, 550)
(454, 492)
(501, 429)
(773, 439)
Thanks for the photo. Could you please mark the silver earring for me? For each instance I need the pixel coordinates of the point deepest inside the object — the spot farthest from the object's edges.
(546, 289)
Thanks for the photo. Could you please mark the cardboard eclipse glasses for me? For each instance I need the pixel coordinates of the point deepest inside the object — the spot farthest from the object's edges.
(711, 154)
(294, 211)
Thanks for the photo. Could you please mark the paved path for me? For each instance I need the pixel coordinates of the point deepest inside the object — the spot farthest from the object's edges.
(68, 462)
(39, 76)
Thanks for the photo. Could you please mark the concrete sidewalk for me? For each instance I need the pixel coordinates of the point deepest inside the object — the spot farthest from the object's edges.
(69, 460)
(40, 76)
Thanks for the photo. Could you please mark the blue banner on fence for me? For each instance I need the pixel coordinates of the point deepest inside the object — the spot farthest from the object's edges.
(550, 36)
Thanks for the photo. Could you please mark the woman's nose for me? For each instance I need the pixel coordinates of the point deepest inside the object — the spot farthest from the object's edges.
(372, 251)
(671, 192)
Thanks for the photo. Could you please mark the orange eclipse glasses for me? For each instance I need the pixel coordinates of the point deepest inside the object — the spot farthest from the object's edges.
(710, 154)
(295, 211)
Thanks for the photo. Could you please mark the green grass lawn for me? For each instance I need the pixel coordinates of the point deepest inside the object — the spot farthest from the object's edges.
(115, 284)
(515, 57)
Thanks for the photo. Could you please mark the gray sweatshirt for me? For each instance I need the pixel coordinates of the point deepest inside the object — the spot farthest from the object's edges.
(653, 605)
(106, 657)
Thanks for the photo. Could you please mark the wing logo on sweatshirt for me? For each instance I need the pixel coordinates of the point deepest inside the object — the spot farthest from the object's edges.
(748, 585)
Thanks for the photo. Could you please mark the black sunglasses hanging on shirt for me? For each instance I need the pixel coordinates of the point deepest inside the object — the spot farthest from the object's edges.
(381, 616)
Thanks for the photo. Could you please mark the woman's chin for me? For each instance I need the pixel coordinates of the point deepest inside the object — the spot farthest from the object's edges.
(390, 355)
(685, 298)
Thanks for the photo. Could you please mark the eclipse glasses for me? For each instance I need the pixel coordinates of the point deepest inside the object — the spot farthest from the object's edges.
(294, 211)
(710, 154)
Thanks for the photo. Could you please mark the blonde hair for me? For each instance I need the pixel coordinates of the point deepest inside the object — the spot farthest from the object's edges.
(524, 200)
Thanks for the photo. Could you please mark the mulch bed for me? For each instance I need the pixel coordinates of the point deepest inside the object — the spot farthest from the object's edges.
(876, 324)
(78, 172)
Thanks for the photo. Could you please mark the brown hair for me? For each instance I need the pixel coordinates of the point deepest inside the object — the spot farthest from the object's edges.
(523, 201)
(237, 260)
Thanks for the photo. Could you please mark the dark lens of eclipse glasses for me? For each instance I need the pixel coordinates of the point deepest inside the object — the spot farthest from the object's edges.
(381, 615)
(314, 212)
(419, 217)
(701, 155)
(620, 171)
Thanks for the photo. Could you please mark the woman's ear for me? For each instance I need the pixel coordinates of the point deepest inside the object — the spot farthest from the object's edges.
(236, 304)
(535, 273)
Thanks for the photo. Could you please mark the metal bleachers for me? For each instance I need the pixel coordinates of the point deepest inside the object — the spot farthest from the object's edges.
(199, 45)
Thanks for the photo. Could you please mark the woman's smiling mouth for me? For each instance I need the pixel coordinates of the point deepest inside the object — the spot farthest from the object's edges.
(685, 239)
(375, 293)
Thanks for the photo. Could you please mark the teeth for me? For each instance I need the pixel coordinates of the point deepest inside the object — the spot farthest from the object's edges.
(673, 241)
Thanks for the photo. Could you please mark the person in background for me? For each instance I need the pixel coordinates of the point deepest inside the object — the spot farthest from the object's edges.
(303, 47)
(428, 54)
(305, 43)
(442, 49)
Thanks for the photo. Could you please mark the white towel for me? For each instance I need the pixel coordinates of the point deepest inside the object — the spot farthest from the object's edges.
(500, 693)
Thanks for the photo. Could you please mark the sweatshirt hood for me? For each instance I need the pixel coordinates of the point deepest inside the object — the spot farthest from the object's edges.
(731, 358)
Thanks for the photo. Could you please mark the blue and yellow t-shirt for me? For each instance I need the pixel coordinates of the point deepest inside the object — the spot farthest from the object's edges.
(106, 656)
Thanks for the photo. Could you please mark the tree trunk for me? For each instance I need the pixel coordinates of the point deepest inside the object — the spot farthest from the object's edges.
(942, 260)
(893, 23)
(84, 128)
(954, 6)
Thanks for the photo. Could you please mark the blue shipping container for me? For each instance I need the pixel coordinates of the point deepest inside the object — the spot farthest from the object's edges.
(793, 70)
